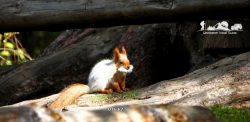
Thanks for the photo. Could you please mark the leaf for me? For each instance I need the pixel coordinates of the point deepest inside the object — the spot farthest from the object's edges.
(1, 37)
(20, 51)
(21, 56)
(9, 45)
(8, 35)
(5, 53)
(8, 62)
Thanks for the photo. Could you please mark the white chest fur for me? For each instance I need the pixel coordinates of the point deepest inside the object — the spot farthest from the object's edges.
(101, 75)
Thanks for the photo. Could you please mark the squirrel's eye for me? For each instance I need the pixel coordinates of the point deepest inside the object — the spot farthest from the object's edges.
(120, 62)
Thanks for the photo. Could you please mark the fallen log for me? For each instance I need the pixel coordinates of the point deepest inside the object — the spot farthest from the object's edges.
(39, 14)
(132, 113)
(224, 82)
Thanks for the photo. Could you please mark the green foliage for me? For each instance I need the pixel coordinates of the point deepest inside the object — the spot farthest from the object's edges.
(11, 50)
(231, 114)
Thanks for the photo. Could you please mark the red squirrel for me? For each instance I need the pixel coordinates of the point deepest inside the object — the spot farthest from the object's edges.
(106, 76)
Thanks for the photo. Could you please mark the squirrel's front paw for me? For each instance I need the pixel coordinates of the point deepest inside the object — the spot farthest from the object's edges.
(125, 89)
(119, 91)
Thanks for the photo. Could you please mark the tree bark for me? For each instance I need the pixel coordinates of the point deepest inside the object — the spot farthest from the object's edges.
(132, 113)
(45, 14)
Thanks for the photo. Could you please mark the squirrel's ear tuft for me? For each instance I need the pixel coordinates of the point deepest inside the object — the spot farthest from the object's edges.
(124, 50)
(116, 54)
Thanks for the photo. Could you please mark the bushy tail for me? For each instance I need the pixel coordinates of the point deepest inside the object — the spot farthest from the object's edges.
(69, 95)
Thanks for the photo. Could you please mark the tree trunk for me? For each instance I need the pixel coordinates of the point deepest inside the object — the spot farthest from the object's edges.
(46, 14)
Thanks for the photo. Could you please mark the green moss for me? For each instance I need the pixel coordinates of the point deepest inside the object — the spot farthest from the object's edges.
(231, 114)
(115, 97)
(100, 97)
(130, 94)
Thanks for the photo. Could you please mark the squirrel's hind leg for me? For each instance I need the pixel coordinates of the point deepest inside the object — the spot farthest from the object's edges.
(106, 91)
(116, 87)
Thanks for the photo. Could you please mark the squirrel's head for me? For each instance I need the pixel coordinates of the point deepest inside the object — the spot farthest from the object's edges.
(121, 60)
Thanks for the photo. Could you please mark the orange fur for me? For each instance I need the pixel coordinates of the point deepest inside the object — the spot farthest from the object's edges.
(106, 91)
(119, 78)
(124, 51)
(122, 82)
(69, 95)
(116, 55)
(119, 82)
(125, 63)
